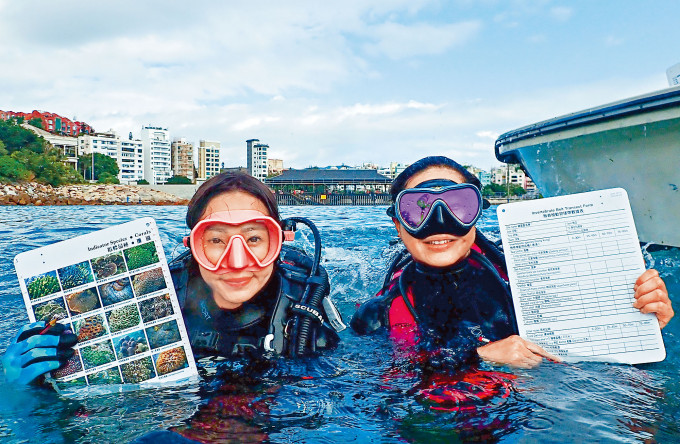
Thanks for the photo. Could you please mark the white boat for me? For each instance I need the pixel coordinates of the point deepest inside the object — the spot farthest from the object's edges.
(633, 144)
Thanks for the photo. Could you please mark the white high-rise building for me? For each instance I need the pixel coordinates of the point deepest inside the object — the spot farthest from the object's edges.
(157, 160)
(127, 153)
(131, 160)
(257, 159)
(208, 159)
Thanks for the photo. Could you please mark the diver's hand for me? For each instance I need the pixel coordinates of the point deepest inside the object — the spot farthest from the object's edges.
(33, 354)
(515, 351)
(651, 296)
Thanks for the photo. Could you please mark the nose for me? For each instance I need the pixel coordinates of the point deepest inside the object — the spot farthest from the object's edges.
(238, 257)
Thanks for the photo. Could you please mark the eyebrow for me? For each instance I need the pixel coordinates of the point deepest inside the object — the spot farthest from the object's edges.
(253, 226)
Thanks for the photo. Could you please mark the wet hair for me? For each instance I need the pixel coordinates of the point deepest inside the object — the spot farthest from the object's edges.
(399, 183)
(223, 183)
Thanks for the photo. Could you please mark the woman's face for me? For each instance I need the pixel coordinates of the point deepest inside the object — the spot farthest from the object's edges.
(231, 289)
(438, 250)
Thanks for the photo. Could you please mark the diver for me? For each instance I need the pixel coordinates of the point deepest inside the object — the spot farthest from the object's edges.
(447, 293)
(243, 294)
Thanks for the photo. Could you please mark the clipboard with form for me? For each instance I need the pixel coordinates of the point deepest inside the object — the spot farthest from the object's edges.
(572, 262)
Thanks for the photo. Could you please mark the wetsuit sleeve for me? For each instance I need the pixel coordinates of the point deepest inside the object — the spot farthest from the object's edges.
(370, 316)
(458, 353)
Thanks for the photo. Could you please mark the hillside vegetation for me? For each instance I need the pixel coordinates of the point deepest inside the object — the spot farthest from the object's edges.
(24, 156)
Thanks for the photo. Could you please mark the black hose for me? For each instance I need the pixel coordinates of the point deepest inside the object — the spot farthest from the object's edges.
(301, 325)
(491, 251)
(398, 263)
(306, 322)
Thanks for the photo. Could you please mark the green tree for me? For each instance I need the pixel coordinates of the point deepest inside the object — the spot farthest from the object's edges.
(12, 170)
(516, 190)
(179, 180)
(46, 168)
(493, 188)
(143, 182)
(102, 164)
(36, 122)
(26, 156)
(107, 177)
(16, 137)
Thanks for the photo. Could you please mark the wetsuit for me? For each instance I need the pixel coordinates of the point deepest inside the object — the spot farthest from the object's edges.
(455, 309)
(236, 333)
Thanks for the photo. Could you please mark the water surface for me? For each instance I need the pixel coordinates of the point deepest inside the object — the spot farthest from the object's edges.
(353, 394)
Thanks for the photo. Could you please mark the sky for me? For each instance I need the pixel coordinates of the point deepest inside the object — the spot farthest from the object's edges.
(330, 83)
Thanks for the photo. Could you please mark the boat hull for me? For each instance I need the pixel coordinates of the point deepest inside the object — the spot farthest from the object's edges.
(637, 151)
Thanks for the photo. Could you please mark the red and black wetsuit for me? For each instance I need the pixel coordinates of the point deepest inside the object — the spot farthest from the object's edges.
(451, 311)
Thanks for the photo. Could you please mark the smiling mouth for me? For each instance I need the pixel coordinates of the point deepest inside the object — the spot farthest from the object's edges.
(237, 282)
(439, 242)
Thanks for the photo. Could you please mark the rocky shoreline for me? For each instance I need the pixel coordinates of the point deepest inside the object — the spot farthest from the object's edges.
(94, 194)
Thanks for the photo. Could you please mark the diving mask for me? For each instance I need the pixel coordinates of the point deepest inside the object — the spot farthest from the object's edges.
(236, 240)
(438, 206)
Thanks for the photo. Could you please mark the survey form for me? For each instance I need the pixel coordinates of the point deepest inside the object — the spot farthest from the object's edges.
(572, 262)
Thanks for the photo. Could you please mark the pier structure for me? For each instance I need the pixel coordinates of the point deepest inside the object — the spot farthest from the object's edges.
(329, 181)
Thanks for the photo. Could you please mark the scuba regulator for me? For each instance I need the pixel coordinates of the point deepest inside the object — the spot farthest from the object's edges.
(303, 306)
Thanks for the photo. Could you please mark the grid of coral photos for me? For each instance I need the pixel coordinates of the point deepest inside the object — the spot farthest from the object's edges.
(120, 304)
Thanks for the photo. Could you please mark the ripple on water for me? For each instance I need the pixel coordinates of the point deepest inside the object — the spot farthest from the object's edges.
(354, 394)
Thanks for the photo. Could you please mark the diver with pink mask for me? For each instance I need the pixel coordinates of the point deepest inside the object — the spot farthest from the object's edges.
(242, 293)
(240, 289)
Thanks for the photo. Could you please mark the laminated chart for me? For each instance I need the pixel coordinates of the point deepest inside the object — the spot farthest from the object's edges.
(572, 262)
(112, 288)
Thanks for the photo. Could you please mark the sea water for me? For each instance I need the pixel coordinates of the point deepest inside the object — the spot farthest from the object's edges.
(356, 393)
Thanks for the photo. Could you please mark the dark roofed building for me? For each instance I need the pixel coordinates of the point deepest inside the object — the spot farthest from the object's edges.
(324, 180)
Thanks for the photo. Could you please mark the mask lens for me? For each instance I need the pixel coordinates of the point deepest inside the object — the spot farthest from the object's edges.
(415, 206)
(216, 237)
(463, 203)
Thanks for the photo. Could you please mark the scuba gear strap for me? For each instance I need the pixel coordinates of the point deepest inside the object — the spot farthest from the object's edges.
(296, 320)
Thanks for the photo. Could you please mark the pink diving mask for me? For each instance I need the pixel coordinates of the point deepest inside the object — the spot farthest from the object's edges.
(236, 240)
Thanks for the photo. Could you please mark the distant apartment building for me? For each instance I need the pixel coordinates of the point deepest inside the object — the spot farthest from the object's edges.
(127, 153)
(157, 159)
(514, 174)
(257, 159)
(131, 160)
(274, 167)
(393, 170)
(208, 159)
(483, 176)
(51, 122)
(67, 145)
(182, 158)
(238, 169)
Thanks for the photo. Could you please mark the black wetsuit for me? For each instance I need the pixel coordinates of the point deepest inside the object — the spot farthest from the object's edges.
(456, 309)
(232, 333)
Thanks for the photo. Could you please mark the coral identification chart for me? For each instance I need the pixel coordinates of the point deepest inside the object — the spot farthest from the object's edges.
(573, 262)
(113, 289)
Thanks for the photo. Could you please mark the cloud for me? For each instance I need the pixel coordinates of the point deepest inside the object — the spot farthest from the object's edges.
(322, 83)
(399, 41)
(611, 40)
(561, 13)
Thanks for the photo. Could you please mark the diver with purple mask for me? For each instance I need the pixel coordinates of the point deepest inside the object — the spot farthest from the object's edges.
(447, 293)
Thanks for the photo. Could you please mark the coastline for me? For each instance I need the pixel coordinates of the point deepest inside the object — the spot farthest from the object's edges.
(31, 193)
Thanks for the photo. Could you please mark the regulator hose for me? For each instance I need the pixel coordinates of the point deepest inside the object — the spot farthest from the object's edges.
(315, 288)
(303, 336)
(491, 251)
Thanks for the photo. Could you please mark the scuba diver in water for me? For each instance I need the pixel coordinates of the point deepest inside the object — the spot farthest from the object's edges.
(447, 293)
(243, 294)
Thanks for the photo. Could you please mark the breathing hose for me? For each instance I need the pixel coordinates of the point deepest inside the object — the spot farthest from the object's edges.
(315, 288)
